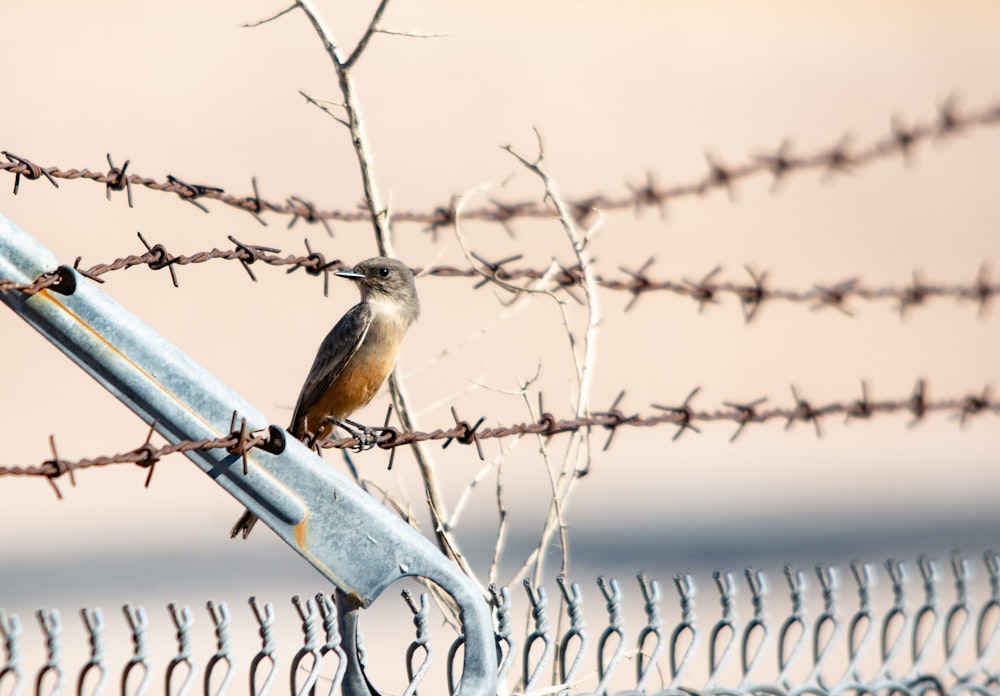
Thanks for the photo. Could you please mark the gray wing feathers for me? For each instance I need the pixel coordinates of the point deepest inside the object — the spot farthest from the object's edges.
(338, 346)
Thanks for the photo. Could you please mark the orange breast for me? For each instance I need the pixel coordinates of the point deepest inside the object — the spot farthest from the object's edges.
(359, 381)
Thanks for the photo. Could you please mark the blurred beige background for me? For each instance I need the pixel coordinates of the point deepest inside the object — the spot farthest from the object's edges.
(616, 90)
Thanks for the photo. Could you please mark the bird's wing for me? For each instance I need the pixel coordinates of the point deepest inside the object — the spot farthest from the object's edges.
(339, 345)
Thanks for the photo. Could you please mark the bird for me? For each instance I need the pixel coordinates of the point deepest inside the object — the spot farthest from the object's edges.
(356, 356)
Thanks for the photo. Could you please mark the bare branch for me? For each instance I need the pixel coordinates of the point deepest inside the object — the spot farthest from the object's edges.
(562, 484)
(466, 495)
(366, 37)
(501, 541)
(411, 34)
(378, 212)
(273, 17)
(325, 109)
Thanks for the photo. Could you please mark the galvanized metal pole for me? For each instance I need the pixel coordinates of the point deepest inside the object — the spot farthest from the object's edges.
(344, 533)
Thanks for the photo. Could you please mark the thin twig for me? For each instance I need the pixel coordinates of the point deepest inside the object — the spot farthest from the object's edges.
(501, 540)
(466, 495)
(411, 34)
(584, 365)
(273, 17)
(362, 150)
(325, 109)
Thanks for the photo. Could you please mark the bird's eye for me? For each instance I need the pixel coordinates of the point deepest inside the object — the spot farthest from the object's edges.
(383, 272)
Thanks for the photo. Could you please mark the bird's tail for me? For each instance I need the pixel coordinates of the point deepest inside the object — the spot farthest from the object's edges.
(247, 520)
(243, 525)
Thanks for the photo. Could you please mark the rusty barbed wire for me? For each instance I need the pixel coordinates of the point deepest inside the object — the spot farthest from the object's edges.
(54, 280)
(684, 416)
(146, 455)
(900, 141)
(751, 295)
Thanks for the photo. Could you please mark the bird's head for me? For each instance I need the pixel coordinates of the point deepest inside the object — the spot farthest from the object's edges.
(386, 281)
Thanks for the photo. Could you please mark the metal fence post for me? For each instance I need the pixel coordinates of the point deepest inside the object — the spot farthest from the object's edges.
(349, 537)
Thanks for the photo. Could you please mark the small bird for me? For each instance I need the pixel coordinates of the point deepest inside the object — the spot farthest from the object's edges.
(355, 357)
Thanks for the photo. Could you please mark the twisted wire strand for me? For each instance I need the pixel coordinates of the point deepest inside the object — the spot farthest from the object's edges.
(918, 406)
(752, 295)
(841, 156)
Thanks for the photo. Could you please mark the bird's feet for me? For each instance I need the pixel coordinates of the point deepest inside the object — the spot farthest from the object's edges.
(367, 437)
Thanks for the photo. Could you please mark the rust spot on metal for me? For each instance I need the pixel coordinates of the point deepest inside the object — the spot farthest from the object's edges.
(356, 600)
(300, 534)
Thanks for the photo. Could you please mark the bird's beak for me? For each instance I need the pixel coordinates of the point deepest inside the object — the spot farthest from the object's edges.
(349, 274)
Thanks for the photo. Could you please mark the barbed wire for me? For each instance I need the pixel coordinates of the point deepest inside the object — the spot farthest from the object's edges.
(145, 455)
(841, 156)
(685, 417)
(708, 290)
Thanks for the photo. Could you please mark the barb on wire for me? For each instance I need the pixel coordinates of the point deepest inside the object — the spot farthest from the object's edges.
(918, 405)
(684, 414)
(752, 295)
(899, 141)
(118, 180)
(27, 169)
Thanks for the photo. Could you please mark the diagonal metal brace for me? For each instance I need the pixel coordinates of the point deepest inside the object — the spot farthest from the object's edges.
(343, 532)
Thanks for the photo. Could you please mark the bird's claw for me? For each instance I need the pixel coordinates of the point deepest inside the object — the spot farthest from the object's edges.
(366, 436)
